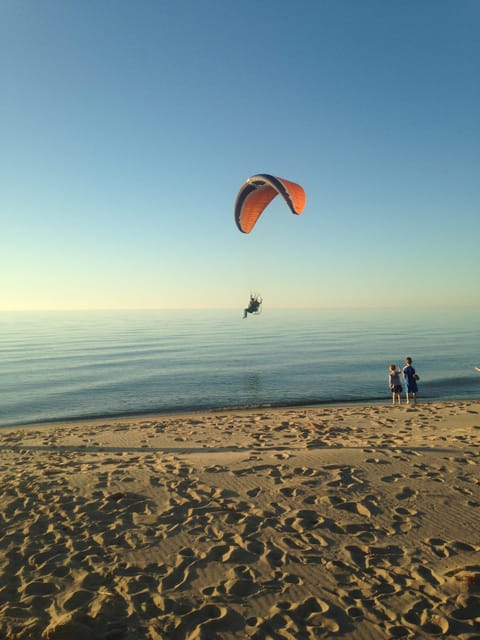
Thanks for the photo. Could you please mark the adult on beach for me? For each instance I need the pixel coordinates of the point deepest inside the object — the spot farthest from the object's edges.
(410, 377)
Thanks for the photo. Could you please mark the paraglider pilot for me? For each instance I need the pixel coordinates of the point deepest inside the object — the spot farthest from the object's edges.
(253, 305)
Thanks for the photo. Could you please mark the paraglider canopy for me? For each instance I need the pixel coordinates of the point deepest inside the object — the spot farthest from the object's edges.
(256, 194)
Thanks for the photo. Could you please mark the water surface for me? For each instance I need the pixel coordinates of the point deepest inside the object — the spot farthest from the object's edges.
(64, 365)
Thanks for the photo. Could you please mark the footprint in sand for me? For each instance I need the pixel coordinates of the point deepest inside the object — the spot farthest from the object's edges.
(473, 503)
(291, 492)
(283, 456)
(364, 532)
(367, 556)
(241, 581)
(275, 556)
(216, 468)
(392, 478)
(438, 546)
(463, 490)
(181, 575)
(401, 524)
(307, 619)
(367, 506)
(230, 553)
(307, 472)
(469, 609)
(209, 621)
(358, 555)
(302, 520)
(78, 600)
(424, 575)
(346, 477)
(445, 549)
(405, 493)
(241, 587)
(429, 622)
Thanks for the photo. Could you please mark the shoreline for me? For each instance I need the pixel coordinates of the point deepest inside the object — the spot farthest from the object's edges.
(212, 410)
(353, 521)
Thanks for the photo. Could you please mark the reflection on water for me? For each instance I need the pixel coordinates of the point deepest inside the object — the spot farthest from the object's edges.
(253, 386)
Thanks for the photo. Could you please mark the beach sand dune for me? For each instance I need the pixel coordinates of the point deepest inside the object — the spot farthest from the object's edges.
(334, 522)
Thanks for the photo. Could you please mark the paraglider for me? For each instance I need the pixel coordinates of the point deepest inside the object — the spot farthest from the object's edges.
(254, 306)
(256, 194)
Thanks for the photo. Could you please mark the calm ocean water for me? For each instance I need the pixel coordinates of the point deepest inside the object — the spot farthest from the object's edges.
(64, 365)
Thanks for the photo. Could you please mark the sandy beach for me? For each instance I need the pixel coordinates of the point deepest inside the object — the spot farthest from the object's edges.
(330, 522)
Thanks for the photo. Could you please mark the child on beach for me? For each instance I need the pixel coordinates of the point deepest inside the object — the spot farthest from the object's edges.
(395, 384)
(410, 378)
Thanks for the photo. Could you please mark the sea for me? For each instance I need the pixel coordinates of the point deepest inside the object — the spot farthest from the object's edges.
(61, 366)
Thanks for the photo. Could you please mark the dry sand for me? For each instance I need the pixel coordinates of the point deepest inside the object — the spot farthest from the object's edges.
(335, 522)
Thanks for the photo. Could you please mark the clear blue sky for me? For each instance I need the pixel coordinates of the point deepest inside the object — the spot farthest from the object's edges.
(127, 128)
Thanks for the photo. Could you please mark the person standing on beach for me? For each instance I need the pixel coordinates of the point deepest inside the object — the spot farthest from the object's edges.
(410, 378)
(395, 384)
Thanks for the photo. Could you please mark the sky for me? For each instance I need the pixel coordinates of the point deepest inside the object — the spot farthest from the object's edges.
(127, 129)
